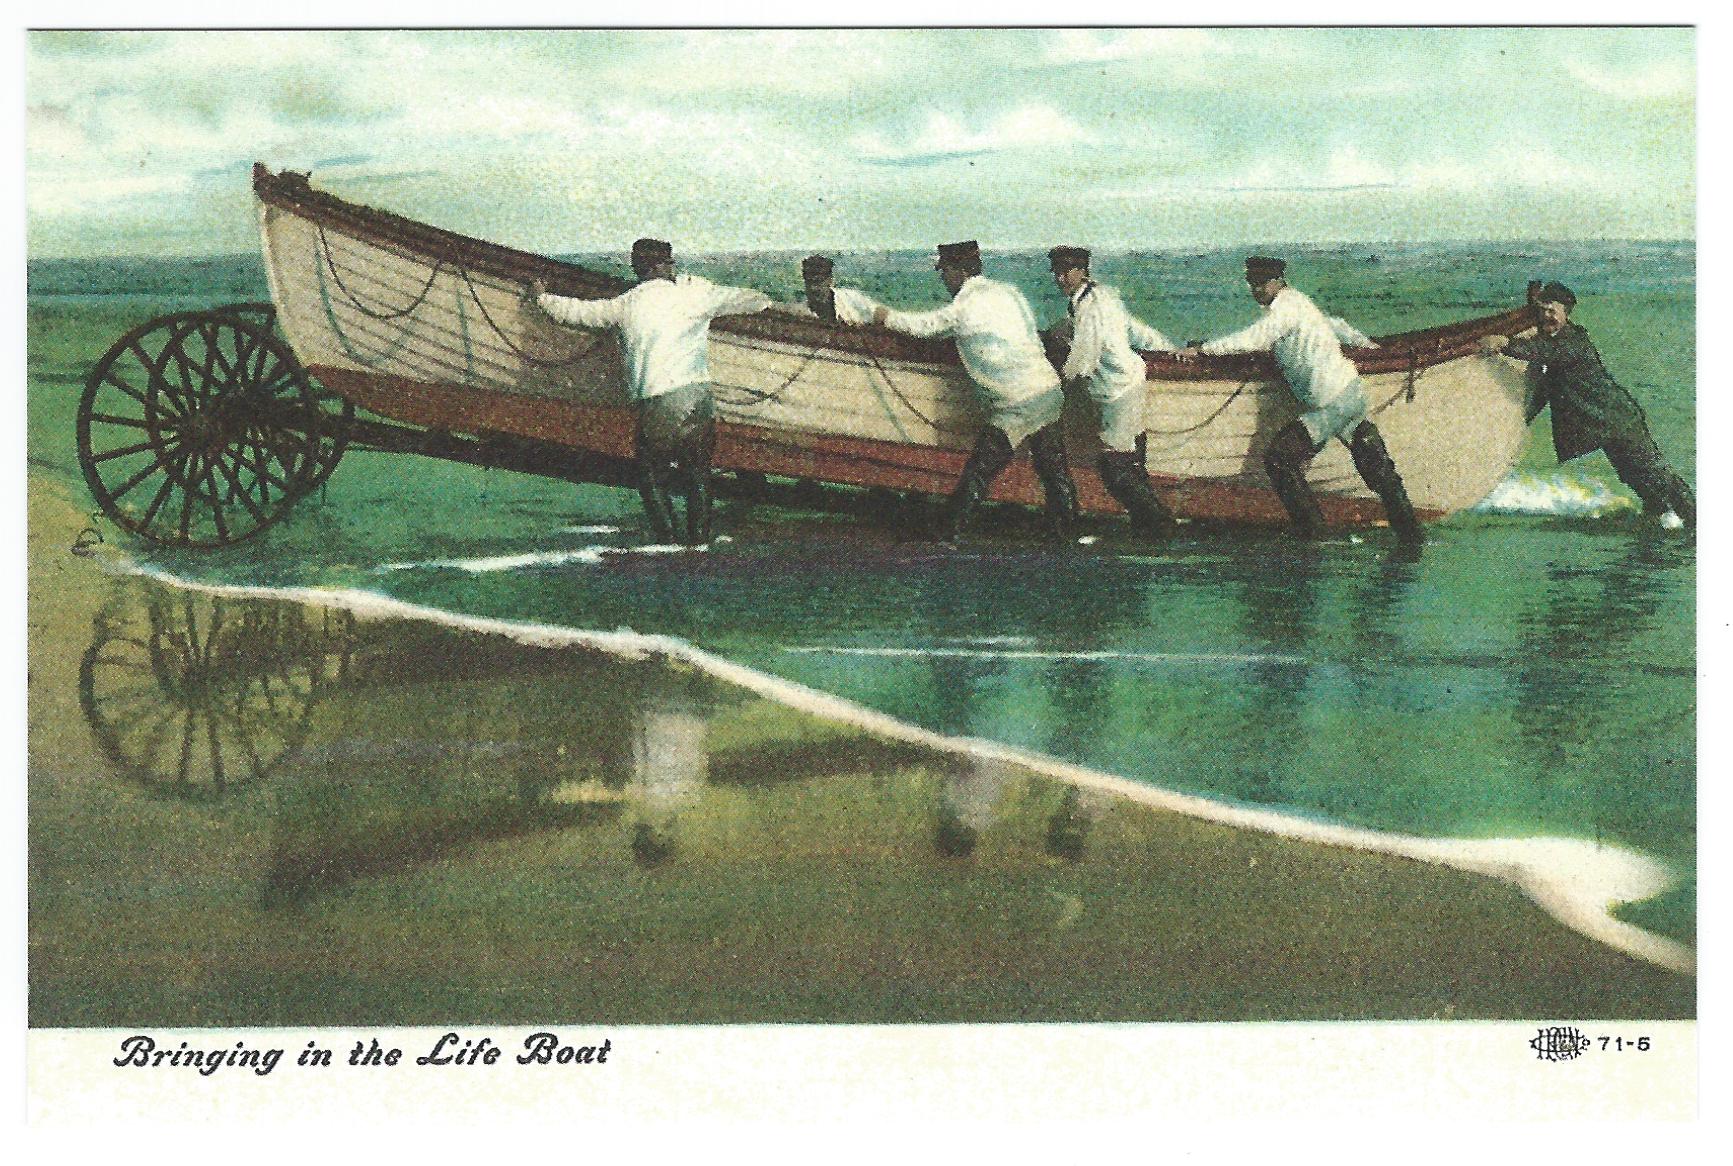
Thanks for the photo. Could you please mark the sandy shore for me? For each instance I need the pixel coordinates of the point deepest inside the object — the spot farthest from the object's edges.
(248, 810)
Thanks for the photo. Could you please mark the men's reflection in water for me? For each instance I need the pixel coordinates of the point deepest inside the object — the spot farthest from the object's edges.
(1068, 828)
(971, 792)
(1585, 682)
(1278, 605)
(670, 760)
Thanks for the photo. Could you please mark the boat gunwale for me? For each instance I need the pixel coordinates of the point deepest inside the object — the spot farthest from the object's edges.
(1405, 352)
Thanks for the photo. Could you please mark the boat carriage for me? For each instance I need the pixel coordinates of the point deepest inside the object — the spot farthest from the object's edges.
(203, 428)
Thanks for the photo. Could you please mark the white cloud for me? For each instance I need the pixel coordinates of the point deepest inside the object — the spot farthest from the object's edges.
(1660, 80)
(1081, 46)
(944, 136)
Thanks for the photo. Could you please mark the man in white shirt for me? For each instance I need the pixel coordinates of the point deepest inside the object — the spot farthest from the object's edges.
(1307, 345)
(1001, 350)
(664, 328)
(1105, 341)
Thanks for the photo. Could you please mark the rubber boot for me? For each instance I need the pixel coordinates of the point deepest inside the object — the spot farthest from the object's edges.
(1285, 461)
(658, 506)
(1127, 479)
(1061, 509)
(698, 506)
(1047, 450)
(1684, 503)
(1372, 459)
(992, 453)
(961, 508)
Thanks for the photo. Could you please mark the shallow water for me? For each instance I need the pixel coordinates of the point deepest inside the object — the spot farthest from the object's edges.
(1533, 673)
(289, 815)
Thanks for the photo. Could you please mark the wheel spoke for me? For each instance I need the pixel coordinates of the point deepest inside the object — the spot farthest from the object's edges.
(186, 749)
(261, 480)
(216, 503)
(187, 483)
(126, 487)
(162, 493)
(239, 491)
(285, 446)
(130, 422)
(113, 378)
(177, 350)
(208, 333)
(267, 451)
(122, 451)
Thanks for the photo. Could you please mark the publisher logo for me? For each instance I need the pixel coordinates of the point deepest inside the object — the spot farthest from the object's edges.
(1559, 1043)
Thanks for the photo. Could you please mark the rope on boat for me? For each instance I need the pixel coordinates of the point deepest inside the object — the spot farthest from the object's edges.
(330, 264)
(898, 393)
(761, 396)
(1207, 421)
(534, 362)
(349, 349)
(1410, 380)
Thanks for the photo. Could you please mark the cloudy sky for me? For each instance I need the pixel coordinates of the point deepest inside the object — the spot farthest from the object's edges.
(141, 143)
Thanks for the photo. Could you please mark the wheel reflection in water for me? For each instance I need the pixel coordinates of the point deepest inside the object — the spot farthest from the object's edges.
(196, 697)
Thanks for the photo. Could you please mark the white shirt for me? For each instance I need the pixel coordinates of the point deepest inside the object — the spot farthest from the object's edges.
(1305, 343)
(852, 307)
(1103, 339)
(996, 337)
(664, 327)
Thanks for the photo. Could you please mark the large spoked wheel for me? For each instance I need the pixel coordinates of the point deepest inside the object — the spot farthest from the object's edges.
(201, 429)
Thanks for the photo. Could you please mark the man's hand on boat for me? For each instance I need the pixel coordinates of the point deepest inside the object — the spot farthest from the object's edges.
(1189, 353)
(1493, 345)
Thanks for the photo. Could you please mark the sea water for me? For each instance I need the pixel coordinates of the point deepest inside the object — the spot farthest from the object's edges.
(1533, 673)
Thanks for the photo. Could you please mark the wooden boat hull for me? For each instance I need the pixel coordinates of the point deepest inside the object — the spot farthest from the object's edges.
(430, 328)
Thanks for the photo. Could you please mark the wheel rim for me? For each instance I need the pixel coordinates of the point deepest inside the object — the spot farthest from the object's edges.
(202, 429)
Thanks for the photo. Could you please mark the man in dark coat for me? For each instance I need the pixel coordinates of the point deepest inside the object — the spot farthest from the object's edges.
(1590, 410)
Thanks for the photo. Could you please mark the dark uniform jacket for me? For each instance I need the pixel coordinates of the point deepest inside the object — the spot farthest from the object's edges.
(1588, 406)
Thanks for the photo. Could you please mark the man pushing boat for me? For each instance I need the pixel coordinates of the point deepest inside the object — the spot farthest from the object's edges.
(1307, 346)
(839, 305)
(1001, 349)
(1103, 357)
(664, 328)
(1590, 410)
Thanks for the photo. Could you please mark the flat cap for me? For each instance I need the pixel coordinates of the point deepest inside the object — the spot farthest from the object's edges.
(1063, 258)
(1263, 268)
(1557, 293)
(816, 267)
(965, 252)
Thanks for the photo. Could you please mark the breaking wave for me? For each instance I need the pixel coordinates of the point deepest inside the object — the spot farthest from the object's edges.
(1031, 654)
(1561, 494)
(529, 559)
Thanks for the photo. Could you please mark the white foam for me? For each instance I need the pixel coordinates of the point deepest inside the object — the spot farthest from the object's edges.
(1561, 493)
(589, 530)
(1575, 881)
(496, 563)
(1038, 654)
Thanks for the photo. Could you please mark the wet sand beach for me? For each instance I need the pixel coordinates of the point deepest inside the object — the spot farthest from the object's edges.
(248, 811)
